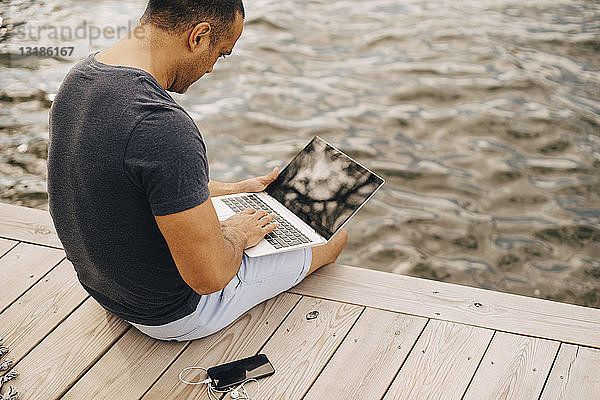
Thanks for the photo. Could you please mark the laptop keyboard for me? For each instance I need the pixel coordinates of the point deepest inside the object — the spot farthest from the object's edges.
(285, 235)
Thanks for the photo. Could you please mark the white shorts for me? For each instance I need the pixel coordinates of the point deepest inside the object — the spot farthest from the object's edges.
(257, 280)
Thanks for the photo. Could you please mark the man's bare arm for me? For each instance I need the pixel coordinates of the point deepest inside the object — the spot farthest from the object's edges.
(222, 188)
(208, 253)
(257, 184)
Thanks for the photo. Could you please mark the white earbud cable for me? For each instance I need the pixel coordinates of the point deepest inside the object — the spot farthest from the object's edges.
(212, 392)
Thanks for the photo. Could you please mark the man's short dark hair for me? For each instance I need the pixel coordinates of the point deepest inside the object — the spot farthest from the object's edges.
(180, 15)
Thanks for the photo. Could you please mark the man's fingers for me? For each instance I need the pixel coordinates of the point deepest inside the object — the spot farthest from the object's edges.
(259, 214)
(266, 221)
(268, 217)
(270, 227)
(266, 179)
(274, 174)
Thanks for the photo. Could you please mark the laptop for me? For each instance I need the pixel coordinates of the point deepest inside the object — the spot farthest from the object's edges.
(314, 196)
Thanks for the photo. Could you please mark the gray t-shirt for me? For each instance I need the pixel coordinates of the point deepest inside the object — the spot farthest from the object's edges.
(122, 151)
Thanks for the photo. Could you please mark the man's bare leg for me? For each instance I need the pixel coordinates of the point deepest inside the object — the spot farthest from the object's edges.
(328, 253)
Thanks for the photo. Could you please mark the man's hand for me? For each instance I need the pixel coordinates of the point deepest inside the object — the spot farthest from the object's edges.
(252, 225)
(257, 184)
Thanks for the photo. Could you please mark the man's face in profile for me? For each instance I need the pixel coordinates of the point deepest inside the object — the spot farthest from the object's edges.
(203, 61)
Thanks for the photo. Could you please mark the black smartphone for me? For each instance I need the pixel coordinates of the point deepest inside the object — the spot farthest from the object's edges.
(227, 375)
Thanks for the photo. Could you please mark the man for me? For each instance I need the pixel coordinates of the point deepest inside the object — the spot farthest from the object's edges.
(129, 189)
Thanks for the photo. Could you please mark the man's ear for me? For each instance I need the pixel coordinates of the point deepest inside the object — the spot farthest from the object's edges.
(198, 35)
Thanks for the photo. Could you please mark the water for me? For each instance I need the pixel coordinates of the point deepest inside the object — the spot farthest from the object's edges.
(483, 116)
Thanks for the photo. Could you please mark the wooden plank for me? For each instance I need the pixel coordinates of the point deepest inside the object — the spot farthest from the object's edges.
(27, 225)
(367, 360)
(479, 307)
(442, 362)
(22, 267)
(6, 245)
(241, 339)
(462, 304)
(301, 347)
(62, 357)
(128, 369)
(28, 320)
(514, 367)
(575, 375)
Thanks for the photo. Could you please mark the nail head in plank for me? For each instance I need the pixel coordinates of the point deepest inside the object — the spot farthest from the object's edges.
(514, 367)
(441, 363)
(242, 339)
(301, 347)
(575, 375)
(367, 360)
(40, 309)
(62, 357)
(450, 302)
(21, 267)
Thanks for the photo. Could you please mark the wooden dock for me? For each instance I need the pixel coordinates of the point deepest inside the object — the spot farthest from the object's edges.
(377, 336)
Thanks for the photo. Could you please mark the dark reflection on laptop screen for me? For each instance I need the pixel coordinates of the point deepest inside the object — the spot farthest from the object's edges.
(323, 187)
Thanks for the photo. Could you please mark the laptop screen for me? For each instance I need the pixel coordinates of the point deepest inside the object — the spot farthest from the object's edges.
(324, 187)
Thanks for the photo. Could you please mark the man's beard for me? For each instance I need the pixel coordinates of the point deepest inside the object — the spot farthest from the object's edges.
(187, 72)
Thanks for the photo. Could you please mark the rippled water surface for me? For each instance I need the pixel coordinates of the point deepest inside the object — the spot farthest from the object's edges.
(483, 116)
